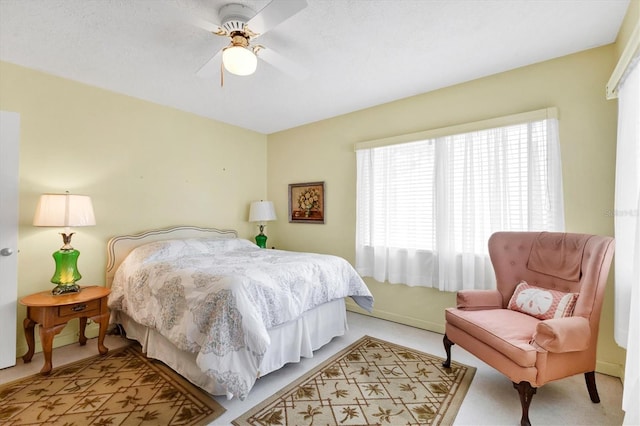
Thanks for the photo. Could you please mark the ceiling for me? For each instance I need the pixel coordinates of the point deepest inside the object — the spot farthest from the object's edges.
(354, 53)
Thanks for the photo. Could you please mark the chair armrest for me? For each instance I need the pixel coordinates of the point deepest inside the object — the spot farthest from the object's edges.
(476, 300)
(559, 335)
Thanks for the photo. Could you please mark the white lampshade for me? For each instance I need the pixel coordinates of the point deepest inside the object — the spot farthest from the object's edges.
(239, 60)
(262, 211)
(64, 210)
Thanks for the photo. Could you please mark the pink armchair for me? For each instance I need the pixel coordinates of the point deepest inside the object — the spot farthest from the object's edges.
(549, 329)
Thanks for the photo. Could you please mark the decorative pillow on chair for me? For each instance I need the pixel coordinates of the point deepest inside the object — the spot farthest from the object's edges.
(542, 303)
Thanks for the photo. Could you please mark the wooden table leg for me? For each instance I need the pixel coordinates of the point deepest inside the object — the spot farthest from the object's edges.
(46, 339)
(103, 320)
(82, 339)
(29, 325)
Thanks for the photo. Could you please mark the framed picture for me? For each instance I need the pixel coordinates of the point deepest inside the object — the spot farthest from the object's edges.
(306, 202)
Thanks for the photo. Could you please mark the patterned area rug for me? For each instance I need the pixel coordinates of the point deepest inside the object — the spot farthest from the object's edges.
(370, 382)
(121, 388)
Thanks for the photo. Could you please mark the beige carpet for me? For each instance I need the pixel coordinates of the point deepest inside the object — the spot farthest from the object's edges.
(121, 388)
(369, 382)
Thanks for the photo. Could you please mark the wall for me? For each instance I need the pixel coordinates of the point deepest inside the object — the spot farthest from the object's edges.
(144, 166)
(323, 151)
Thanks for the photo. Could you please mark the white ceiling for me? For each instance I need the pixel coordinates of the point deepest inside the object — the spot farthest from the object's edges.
(357, 53)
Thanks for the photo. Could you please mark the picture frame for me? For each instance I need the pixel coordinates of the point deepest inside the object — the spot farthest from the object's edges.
(306, 202)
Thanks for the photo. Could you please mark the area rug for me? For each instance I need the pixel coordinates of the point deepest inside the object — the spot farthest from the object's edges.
(120, 388)
(371, 382)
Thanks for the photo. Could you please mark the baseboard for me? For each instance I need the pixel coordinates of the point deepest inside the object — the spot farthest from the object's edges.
(67, 336)
(394, 317)
(610, 369)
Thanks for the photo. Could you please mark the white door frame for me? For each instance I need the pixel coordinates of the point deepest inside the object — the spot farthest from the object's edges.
(9, 154)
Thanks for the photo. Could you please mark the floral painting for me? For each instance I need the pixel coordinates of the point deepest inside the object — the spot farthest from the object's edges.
(306, 202)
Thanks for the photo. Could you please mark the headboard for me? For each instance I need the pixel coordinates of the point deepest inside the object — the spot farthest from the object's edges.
(120, 246)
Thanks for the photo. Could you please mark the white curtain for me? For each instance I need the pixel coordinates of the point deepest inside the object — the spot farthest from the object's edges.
(627, 233)
(426, 209)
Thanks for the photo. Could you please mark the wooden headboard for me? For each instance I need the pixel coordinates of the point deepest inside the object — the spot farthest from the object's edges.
(120, 246)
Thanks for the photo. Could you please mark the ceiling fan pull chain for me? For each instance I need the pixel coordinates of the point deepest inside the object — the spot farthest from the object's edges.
(221, 75)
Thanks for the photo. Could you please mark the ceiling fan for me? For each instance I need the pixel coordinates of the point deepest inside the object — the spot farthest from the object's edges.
(242, 25)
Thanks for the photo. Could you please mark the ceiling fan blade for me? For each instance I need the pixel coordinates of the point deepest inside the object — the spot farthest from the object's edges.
(274, 14)
(211, 68)
(283, 64)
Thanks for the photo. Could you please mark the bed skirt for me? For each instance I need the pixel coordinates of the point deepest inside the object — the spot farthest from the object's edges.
(290, 342)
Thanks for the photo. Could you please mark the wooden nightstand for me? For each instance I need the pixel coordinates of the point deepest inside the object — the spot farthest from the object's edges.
(53, 313)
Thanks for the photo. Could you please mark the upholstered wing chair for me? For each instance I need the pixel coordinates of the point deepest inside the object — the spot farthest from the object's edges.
(541, 323)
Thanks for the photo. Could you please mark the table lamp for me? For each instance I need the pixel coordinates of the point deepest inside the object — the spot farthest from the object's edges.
(65, 210)
(261, 211)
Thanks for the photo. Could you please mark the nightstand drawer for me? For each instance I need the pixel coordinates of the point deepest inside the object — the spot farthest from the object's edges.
(92, 306)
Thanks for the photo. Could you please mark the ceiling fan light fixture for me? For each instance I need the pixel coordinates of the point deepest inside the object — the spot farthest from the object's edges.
(239, 60)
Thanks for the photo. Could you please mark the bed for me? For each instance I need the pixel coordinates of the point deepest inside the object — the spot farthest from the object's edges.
(221, 311)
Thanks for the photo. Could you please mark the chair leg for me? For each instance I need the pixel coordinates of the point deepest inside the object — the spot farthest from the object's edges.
(526, 392)
(590, 378)
(447, 348)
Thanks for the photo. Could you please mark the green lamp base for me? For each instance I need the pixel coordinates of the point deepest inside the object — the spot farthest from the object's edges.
(66, 273)
(261, 240)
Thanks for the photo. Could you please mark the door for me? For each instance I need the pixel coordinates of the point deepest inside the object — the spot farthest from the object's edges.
(9, 144)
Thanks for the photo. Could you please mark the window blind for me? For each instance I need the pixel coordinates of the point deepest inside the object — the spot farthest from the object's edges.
(425, 205)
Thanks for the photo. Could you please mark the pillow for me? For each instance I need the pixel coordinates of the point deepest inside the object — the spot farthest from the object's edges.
(542, 303)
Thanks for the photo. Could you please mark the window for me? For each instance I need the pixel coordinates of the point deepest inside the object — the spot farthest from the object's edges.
(426, 207)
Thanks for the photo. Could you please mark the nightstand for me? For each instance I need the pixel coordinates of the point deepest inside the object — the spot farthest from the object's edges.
(54, 312)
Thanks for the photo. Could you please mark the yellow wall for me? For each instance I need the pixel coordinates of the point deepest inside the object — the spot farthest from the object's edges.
(144, 166)
(323, 151)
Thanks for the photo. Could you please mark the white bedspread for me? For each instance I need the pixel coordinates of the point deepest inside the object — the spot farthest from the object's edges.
(218, 297)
